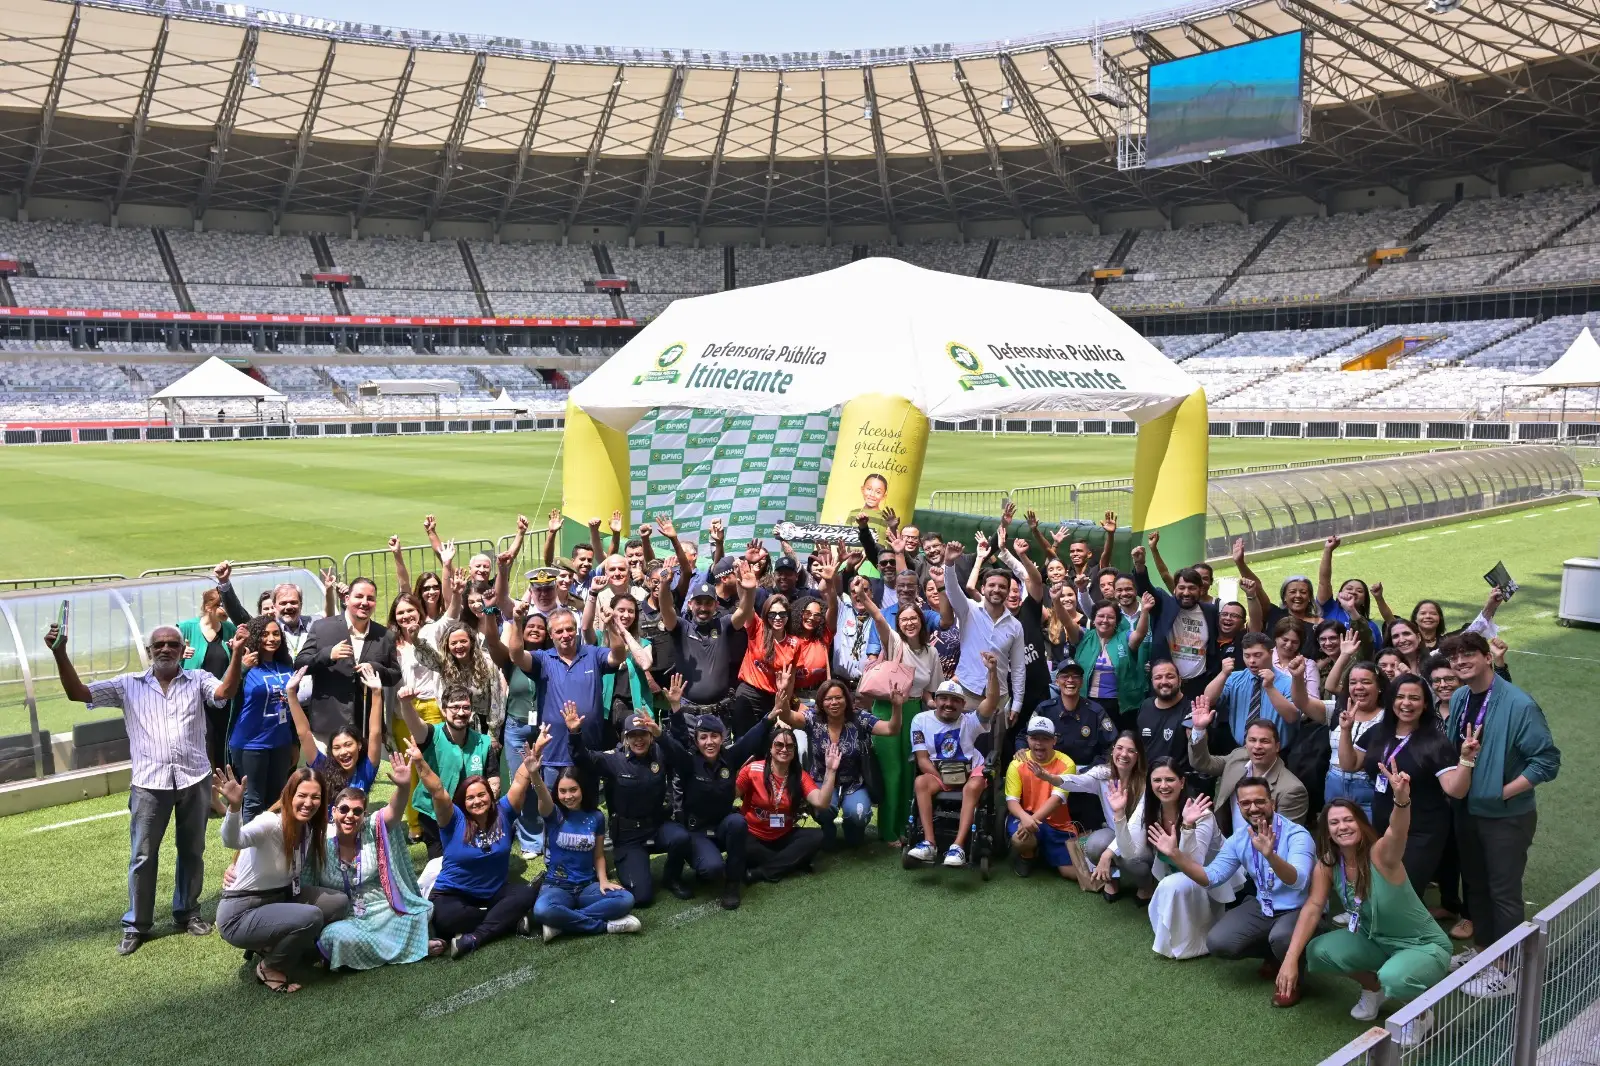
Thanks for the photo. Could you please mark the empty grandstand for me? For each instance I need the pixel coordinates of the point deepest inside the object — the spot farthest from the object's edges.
(334, 206)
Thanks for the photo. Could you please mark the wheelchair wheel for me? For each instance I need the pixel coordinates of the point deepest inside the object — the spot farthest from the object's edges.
(983, 867)
(907, 862)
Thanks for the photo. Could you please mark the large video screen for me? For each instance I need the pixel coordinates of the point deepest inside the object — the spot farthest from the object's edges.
(1228, 102)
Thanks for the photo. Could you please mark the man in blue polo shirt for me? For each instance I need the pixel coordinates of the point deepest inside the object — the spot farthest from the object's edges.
(1277, 855)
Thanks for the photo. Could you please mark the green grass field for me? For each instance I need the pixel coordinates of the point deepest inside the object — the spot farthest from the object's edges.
(860, 962)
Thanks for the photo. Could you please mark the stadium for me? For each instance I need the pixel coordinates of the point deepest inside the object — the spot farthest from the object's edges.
(273, 286)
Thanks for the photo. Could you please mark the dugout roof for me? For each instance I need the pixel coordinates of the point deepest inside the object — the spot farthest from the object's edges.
(207, 105)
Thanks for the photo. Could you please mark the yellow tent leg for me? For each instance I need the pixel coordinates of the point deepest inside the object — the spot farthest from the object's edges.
(1170, 467)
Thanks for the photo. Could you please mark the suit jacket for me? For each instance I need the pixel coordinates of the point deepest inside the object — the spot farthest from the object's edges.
(338, 698)
(1287, 792)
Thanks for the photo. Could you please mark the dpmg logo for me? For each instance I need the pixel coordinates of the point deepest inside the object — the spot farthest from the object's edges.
(663, 371)
(670, 354)
(964, 357)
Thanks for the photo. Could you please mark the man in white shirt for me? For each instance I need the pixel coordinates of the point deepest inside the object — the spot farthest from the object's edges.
(944, 745)
(165, 711)
(988, 627)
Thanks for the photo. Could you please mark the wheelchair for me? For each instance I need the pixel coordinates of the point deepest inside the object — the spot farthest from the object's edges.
(981, 841)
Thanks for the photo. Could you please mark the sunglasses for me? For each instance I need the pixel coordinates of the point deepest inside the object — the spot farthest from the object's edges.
(347, 809)
(777, 614)
(783, 743)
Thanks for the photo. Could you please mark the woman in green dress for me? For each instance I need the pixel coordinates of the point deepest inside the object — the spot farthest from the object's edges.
(367, 860)
(1389, 944)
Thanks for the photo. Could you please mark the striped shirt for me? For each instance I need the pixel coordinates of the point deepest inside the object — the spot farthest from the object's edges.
(166, 730)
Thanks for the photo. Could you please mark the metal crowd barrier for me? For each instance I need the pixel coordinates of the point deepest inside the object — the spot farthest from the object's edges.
(378, 566)
(314, 563)
(1553, 1019)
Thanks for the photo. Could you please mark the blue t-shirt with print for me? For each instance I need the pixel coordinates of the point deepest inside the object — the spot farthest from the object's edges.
(569, 839)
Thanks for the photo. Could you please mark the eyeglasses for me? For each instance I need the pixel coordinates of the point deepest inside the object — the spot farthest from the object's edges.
(346, 809)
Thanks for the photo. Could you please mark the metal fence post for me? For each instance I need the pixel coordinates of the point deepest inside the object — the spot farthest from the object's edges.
(1530, 999)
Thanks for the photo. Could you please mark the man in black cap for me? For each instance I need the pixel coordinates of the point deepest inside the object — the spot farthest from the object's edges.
(1084, 734)
(706, 769)
(635, 781)
(707, 649)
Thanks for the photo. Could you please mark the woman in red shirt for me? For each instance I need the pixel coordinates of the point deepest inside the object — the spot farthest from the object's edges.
(778, 639)
(772, 793)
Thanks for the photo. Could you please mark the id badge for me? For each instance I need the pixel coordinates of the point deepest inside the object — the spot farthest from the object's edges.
(1381, 784)
(1353, 921)
(775, 821)
(1266, 908)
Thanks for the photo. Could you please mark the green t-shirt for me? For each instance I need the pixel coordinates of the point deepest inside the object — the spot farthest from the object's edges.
(452, 762)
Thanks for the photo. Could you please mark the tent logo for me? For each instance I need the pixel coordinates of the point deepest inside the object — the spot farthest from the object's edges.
(967, 359)
(663, 372)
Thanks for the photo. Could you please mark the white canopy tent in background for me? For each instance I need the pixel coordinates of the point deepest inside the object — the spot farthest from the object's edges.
(1578, 368)
(214, 379)
(957, 347)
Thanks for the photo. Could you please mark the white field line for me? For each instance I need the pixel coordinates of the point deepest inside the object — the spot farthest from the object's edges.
(79, 821)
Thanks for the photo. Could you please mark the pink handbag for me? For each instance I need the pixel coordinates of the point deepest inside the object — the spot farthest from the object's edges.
(882, 677)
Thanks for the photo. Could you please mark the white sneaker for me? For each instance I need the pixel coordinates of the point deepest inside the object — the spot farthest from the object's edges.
(550, 932)
(1416, 1031)
(1368, 1006)
(954, 856)
(628, 924)
(1459, 960)
(1342, 918)
(923, 852)
(1490, 984)
(529, 856)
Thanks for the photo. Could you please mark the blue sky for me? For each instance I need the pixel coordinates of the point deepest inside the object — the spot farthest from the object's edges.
(758, 25)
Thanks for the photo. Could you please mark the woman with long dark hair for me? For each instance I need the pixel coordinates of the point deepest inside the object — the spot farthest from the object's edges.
(474, 899)
(776, 638)
(207, 638)
(1360, 708)
(1406, 640)
(909, 641)
(366, 861)
(1182, 911)
(775, 792)
(577, 896)
(261, 741)
(836, 726)
(1123, 777)
(265, 909)
(350, 761)
(1389, 944)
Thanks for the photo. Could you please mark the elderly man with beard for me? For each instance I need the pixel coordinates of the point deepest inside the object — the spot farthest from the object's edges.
(165, 711)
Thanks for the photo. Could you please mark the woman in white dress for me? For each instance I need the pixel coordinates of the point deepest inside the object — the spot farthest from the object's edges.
(1181, 912)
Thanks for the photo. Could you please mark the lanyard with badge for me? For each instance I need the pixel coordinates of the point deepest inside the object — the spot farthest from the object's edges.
(1352, 905)
(276, 708)
(1390, 753)
(1261, 870)
(775, 815)
(1483, 709)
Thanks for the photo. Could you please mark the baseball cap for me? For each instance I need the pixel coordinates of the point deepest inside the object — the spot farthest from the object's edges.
(949, 688)
(1067, 666)
(638, 723)
(1040, 724)
(785, 563)
(704, 590)
(710, 722)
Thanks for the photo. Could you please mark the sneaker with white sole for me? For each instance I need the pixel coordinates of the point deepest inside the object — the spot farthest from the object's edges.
(1341, 918)
(549, 933)
(954, 856)
(1462, 958)
(1490, 984)
(1368, 1006)
(627, 924)
(923, 852)
(1416, 1031)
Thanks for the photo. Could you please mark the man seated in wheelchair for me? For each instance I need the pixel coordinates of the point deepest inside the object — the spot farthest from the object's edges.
(1039, 823)
(944, 744)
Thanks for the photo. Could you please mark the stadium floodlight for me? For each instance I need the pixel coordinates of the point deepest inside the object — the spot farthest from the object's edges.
(481, 100)
(677, 110)
(252, 78)
(1440, 7)
(1006, 104)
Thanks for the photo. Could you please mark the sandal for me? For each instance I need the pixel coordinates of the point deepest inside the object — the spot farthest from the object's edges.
(279, 983)
(1462, 930)
(436, 948)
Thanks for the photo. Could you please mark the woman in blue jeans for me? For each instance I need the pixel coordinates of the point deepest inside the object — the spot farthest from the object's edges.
(577, 897)
(1361, 711)
(261, 741)
(835, 725)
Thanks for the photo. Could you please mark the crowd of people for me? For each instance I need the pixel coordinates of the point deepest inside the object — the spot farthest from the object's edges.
(1280, 778)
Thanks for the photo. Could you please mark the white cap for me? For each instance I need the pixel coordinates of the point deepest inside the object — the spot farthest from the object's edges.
(1040, 724)
(949, 688)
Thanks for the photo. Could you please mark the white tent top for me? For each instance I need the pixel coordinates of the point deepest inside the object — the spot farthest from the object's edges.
(409, 387)
(216, 380)
(1579, 366)
(955, 346)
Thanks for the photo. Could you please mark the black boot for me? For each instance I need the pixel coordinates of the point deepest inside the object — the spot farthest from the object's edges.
(730, 894)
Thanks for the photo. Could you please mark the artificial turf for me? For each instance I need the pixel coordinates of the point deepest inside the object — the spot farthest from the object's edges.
(859, 962)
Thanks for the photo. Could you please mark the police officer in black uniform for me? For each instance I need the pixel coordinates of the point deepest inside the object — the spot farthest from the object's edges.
(706, 776)
(1085, 732)
(707, 650)
(635, 780)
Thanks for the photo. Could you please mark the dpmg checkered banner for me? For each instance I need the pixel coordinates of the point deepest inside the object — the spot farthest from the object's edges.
(752, 471)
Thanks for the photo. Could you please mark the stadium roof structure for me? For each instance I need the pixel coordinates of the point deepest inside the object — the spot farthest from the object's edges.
(207, 105)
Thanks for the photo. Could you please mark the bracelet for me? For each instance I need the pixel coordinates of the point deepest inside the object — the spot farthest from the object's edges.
(1397, 803)
(1467, 764)
(1187, 827)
